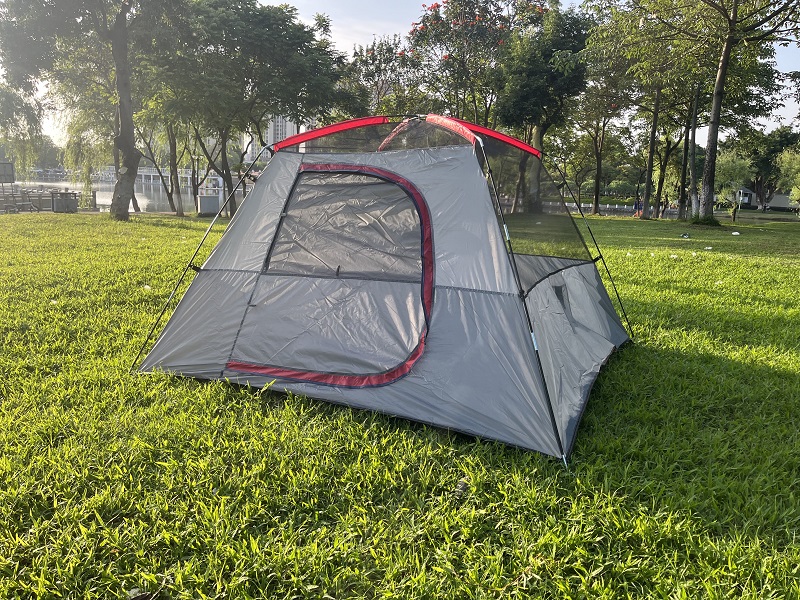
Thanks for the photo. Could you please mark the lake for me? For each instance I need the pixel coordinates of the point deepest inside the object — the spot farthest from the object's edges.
(151, 198)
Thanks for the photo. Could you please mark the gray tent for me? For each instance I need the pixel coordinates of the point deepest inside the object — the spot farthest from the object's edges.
(370, 266)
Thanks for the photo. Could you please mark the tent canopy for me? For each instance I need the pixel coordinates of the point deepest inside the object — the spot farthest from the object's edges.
(370, 266)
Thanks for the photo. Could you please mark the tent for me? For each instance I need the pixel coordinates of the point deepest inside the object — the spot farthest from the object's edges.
(370, 265)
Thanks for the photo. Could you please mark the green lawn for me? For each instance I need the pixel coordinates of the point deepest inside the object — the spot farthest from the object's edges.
(684, 482)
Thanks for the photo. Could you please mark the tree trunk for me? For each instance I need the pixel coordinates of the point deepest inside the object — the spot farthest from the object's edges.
(166, 185)
(693, 157)
(651, 150)
(535, 198)
(223, 169)
(662, 175)
(598, 163)
(709, 169)
(195, 180)
(663, 163)
(598, 141)
(521, 190)
(227, 177)
(684, 166)
(125, 140)
(174, 176)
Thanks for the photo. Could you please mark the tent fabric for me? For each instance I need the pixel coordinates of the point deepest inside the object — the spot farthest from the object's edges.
(330, 129)
(454, 126)
(576, 330)
(323, 232)
(455, 383)
(507, 139)
(382, 280)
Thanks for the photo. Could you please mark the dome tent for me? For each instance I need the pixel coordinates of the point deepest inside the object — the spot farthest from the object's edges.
(370, 266)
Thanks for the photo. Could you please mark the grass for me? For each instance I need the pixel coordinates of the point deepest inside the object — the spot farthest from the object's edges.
(683, 483)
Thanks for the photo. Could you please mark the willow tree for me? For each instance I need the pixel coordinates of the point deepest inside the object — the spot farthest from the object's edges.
(20, 127)
(35, 40)
(84, 91)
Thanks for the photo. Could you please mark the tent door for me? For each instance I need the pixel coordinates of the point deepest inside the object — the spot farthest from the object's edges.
(346, 291)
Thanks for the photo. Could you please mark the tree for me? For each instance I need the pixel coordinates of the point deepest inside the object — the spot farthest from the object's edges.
(20, 127)
(35, 39)
(85, 149)
(460, 44)
(632, 163)
(160, 147)
(222, 69)
(573, 155)
(789, 164)
(542, 71)
(604, 101)
(733, 172)
(661, 70)
(83, 89)
(720, 27)
(762, 152)
(384, 75)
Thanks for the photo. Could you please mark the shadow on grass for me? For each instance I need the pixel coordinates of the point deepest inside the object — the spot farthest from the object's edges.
(698, 433)
(189, 222)
(707, 437)
(741, 325)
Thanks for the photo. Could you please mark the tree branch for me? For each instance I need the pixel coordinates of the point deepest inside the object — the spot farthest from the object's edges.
(790, 7)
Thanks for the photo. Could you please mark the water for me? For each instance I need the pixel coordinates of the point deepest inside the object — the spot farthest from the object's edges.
(151, 198)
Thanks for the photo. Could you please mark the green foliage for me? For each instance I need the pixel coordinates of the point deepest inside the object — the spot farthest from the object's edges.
(231, 67)
(232, 77)
(543, 70)
(733, 172)
(705, 221)
(675, 47)
(385, 74)
(762, 152)
(41, 41)
(788, 162)
(682, 483)
(460, 44)
(20, 128)
(573, 153)
(21, 139)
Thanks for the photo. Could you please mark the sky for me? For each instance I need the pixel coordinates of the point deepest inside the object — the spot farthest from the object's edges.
(359, 21)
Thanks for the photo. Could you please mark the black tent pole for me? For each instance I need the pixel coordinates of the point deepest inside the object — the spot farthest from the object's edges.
(522, 294)
(596, 245)
(190, 264)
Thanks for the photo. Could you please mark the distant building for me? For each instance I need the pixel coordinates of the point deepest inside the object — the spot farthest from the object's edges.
(783, 202)
(746, 198)
(279, 128)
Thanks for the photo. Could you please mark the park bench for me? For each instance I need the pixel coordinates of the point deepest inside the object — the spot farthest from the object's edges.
(14, 202)
(24, 202)
(39, 199)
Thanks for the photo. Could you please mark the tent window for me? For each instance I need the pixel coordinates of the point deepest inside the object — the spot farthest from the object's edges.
(348, 225)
